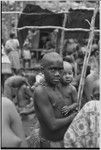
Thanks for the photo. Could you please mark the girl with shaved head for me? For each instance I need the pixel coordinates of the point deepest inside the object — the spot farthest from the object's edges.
(48, 102)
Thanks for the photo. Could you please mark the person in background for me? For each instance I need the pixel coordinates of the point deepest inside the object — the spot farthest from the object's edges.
(25, 94)
(50, 44)
(6, 67)
(79, 64)
(89, 81)
(48, 102)
(96, 90)
(12, 84)
(72, 61)
(12, 50)
(26, 54)
(70, 47)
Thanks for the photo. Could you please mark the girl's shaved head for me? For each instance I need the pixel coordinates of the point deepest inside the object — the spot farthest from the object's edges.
(67, 65)
(51, 58)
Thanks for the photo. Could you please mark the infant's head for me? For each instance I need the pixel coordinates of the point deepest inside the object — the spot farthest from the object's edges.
(67, 76)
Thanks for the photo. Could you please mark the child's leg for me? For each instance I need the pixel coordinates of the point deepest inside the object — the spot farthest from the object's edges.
(29, 63)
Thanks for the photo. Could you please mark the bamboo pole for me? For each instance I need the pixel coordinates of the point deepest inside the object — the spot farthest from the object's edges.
(63, 34)
(87, 56)
(56, 27)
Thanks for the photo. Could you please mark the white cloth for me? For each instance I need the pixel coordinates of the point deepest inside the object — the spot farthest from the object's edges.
(12, 44)
(39, 77)
(6, 64)
(13, 55)
(26, 54)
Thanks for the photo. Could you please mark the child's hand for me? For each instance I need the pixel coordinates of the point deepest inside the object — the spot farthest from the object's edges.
(74, 106)
(73, 115)
(65, 110)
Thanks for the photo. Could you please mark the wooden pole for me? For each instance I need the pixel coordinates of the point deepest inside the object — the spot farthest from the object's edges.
(63, 34)
(87, 56)
(56, 27)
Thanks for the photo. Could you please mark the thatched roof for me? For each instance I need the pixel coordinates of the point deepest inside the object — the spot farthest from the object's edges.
(34, 15)
(65, 5)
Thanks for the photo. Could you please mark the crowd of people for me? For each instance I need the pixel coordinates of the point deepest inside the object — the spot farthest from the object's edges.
(51, 95)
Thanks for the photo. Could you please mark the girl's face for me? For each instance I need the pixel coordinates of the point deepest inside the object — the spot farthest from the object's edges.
(53, 72)
(67, 74)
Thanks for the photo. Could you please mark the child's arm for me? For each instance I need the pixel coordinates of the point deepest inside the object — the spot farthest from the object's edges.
(74, 94)
(67, 109)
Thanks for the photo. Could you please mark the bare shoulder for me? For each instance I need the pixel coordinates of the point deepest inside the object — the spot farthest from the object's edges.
(39, 89)
(8, 106)
(72, 88)
(7, 109)
(6, 102)
(40, 94)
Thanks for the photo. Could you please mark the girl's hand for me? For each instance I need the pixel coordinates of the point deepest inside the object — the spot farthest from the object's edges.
(74, 106)
(65, 110)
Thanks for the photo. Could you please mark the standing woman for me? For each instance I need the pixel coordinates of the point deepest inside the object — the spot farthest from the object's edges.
(12, 50)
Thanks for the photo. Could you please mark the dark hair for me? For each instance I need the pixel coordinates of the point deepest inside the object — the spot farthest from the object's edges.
(12, 35)
(88, 70)
(2, 41)
(50, 57)
(68, 59)
(73, 69)
(81, 55)
(31, 78)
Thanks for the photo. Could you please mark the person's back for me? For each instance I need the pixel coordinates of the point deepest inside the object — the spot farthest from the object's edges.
(12, 131)
(12, 50)
(12, 43)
